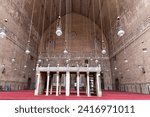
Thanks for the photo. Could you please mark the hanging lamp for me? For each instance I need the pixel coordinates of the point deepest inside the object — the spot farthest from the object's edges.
(103, 51)
(120, 30)
(25, 66)
(103, 47)
(126, 60)
(13, 60)
(145, 50)
(95, 35)
(39, 61)
(65, 51)
(27, 51)
(58, 27)
(96, 61)
(2, 32)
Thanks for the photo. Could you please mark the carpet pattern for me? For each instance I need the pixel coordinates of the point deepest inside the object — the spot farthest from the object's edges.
(107, 95)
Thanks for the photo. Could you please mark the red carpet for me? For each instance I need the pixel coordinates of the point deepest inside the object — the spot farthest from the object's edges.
(107, 95)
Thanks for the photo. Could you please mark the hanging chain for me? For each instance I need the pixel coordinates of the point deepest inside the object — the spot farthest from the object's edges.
(33, 8)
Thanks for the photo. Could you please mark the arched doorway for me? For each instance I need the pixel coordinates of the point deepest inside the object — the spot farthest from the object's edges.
(102, 81)
(117, 84)
(29, 83)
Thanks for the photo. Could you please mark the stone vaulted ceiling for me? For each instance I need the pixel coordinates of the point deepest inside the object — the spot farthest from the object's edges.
(83, 7)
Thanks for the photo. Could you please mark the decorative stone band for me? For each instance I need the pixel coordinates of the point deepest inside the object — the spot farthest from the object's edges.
(142, 28)
(12, 85)
(136, 88)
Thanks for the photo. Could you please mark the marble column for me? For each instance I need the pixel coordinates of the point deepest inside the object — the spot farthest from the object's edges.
(37, 83)
(47, 86)
(57, 84)
(98, 85)
(51, 89)
(60, 85)
(88, 84)
(78, 84)
(67, 83)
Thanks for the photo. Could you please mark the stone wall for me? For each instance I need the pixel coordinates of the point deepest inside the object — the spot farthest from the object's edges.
(15, 75)
(80, 37)
(136, 22)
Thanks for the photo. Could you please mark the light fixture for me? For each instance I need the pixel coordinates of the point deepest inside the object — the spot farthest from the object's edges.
(145, 50)
(115, 68)
(39, 61)
(47, 59)
(142, 68)
(6, 20)
(27, 51)
(13, 60)
(15, 69)
(104, 51)
(2, 32)
(139, 66)
(126, 60)
(96, 61)
(65, 51)
(120, 30)
(58, 31)
(58, 27)
(25, 66)
(3, 65)
(67, 61)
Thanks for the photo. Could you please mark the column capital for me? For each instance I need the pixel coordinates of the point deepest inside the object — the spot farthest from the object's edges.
(48, 72)
(38, 72)
(67, 72)
(37, 67)
(98, 72)
(57, 72)
(48, 67)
